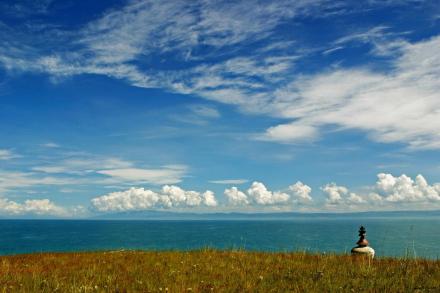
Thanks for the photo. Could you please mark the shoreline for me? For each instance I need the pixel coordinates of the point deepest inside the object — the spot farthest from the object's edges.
(213, 249)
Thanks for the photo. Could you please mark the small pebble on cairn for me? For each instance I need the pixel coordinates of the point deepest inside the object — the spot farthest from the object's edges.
(362, 247)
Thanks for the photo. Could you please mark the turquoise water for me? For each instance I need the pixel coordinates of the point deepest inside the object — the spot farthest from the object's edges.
(388, 236)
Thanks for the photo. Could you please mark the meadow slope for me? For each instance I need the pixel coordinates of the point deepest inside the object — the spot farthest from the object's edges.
(213, 271)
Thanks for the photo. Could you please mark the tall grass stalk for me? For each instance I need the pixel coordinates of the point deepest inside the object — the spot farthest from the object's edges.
(209, 270)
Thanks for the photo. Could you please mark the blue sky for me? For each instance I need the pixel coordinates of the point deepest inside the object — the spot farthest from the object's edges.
(208, 106)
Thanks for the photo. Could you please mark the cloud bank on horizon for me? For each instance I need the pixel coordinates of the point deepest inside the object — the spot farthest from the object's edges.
(388, 193)
(288, 75)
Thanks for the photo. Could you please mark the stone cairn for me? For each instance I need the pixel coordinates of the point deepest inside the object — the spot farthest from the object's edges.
(362, 247)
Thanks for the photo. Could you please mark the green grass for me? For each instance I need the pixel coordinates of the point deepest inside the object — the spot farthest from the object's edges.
(214, 271)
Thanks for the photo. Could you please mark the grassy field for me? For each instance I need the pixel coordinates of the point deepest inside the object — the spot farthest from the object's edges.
(214, 271)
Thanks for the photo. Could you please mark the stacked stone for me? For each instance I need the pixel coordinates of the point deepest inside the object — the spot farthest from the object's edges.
(362, 247)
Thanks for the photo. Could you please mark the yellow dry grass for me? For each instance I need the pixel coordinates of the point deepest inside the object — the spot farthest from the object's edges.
(214, 271)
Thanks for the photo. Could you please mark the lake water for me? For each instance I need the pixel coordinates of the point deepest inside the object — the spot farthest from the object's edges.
(388, 236)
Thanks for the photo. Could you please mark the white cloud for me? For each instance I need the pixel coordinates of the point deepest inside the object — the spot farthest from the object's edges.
(383, 40)
(13, 180)
(371, 35)
(144, 199)
(340, 196)
(110, 44)
(334, 193)
(236, 197)
(229, 181)
(301, 192)
(388, 193)
(8, 155)
(178, 196)
(164, 175)
(259, 193)
(50, 145)
(290, 133)
(132, 199)
(84, 164)
(399, 106)
(353, 198)
(209, 199)
(31, 206)
(23, 9)
(198, 115)
(405, 189)
(67, 190)
(68, 170)
(51, 169)
(205, 111)
(116, 169)
(224, 25)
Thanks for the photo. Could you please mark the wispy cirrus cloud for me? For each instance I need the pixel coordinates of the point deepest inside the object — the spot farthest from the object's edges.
(10, 180)
(82, 165)
(8, 155)
(110, 44)
(205, 111)
(212, 40)
(26, 8)
(164, 175)
(67, 170)
(229, 181)
(383, 41)
(396, 106)
(197, 114)
(50, 145)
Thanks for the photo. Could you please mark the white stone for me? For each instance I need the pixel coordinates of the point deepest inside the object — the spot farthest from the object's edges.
(363, 250)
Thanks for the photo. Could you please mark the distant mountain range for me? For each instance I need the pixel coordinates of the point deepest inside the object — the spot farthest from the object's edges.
(164, 215)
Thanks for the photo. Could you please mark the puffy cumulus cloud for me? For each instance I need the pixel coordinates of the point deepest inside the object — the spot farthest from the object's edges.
(258, 194)
(301, 192)
(334, 193)
(236, 197)
(354, 198)
(143, 199)
(209, 199)
(405, 189)
(131, 199)
(389, 192)
(31, 206)
(176, 196)
(340, 195)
